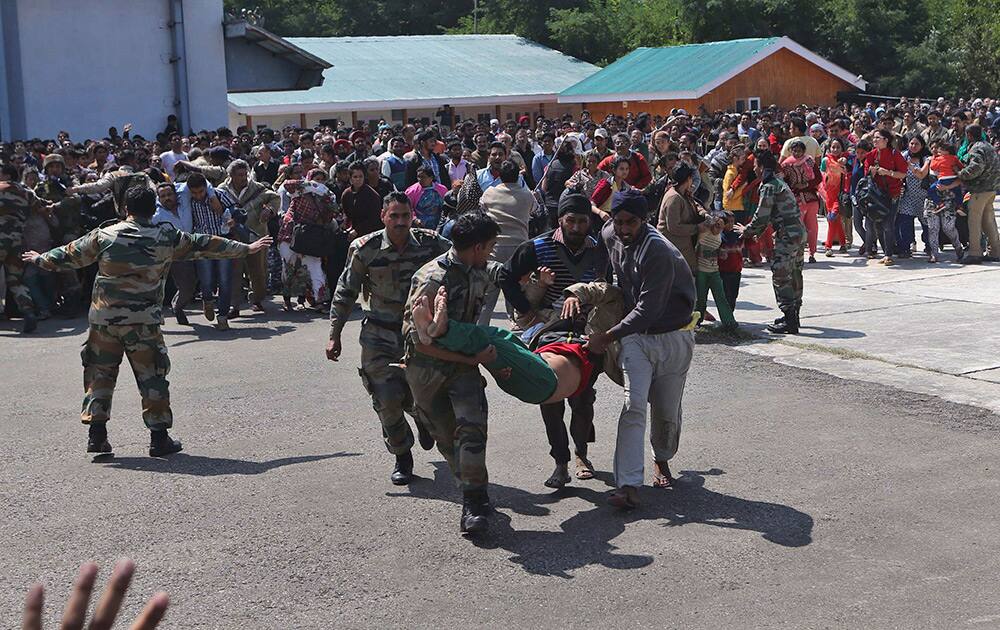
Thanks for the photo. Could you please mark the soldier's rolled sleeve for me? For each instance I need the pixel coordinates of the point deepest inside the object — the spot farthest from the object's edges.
(763, 216)
(79, 253)
(201, 246)
(100, 186)
(346, 294)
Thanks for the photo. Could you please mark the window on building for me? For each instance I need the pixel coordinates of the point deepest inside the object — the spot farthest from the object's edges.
(397, 114)
(748, 104)
(328, 122)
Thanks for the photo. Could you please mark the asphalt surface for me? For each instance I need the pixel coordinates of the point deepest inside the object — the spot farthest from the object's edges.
(803, 501)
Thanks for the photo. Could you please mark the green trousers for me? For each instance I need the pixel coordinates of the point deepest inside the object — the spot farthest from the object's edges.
(102, 355)
(531, 379)
(712, 280)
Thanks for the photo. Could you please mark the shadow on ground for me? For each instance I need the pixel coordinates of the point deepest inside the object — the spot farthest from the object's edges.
(585, 538)
(202, 466)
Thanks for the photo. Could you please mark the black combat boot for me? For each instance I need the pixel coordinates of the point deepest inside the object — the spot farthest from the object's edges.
(402, 474)
(97, 440)
(424, 436)
(789, 325)
(29, 325)
(475, 514)
(161, 444)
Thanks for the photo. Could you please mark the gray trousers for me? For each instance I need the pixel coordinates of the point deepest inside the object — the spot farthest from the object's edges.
(184, 276)
(655, 369)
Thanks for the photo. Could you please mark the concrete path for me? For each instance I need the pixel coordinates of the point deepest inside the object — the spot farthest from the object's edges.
(922, 327)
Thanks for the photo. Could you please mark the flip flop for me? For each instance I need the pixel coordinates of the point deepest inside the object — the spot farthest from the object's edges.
(662, 479)
(584, 469)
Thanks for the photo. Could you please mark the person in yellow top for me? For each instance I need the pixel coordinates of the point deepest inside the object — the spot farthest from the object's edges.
(732, 198)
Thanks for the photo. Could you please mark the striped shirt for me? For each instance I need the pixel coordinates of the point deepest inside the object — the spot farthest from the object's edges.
(206, 220)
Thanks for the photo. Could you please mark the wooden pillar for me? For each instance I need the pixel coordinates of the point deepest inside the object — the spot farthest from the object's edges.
(541, 111)
(354, 120)
(405, 117)
(250, 123)
(302, 121)
(496, 113)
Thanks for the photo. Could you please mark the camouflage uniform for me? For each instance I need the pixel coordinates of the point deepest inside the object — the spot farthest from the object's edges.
(374, 264)
(133, 257)
(779, 209)
(68, 228)
(118, 182)
(450, 397)
(16, 201)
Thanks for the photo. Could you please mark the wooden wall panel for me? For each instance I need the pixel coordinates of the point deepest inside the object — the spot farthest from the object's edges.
(783, 79)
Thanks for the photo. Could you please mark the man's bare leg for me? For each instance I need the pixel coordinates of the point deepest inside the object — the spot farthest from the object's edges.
(439, 325)
(422, 319)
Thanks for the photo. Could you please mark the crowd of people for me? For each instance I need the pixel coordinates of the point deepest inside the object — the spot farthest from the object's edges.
(604, 237)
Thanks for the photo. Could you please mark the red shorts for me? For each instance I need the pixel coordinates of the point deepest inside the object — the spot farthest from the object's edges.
(574, 350)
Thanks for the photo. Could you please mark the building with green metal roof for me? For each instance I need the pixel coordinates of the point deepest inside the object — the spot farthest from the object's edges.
(419, 77)
(736, 75)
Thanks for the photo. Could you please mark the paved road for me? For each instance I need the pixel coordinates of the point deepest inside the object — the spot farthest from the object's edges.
(804, 501)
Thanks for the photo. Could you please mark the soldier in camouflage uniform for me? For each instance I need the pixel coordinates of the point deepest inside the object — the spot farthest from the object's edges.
(52, 188)
(779, 209)
(447, 387)
(118, 182)
(383, 263)
(16, 201)
(125, 314)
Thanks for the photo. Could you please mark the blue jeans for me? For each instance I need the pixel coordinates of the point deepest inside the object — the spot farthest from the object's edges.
(212, 275)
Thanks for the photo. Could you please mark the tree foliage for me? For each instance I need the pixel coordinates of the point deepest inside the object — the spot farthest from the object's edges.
(915, 48)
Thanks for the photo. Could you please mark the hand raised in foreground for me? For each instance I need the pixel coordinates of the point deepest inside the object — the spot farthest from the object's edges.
(261, 244)
(107, 608)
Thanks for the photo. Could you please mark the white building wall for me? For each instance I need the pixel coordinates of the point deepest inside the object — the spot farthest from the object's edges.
(84, 76)
(87, 67)
(206, 66)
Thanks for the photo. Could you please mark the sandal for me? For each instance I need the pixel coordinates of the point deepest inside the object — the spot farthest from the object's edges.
(624, 498)
(584, 469)
(559, 477)
(661, 476)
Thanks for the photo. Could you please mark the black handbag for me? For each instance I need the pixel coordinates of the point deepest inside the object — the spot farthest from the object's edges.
(871, 199)
(311, 239)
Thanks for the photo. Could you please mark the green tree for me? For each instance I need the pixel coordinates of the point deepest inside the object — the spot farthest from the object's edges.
(590, 33)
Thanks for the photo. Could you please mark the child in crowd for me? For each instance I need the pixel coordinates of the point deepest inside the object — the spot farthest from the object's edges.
(707, 277)
(731, 261)
(945, 166)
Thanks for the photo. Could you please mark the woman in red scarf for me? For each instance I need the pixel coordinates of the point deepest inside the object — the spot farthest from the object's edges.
(800, 173)
(888, 168)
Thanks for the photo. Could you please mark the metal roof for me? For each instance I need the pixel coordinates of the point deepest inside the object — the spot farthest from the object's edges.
(686, 72)
(422, 71)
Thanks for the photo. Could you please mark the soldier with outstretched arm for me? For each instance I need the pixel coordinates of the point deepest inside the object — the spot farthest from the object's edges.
(133, 258)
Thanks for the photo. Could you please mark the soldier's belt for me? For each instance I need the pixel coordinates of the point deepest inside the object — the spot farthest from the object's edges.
(394, 327)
